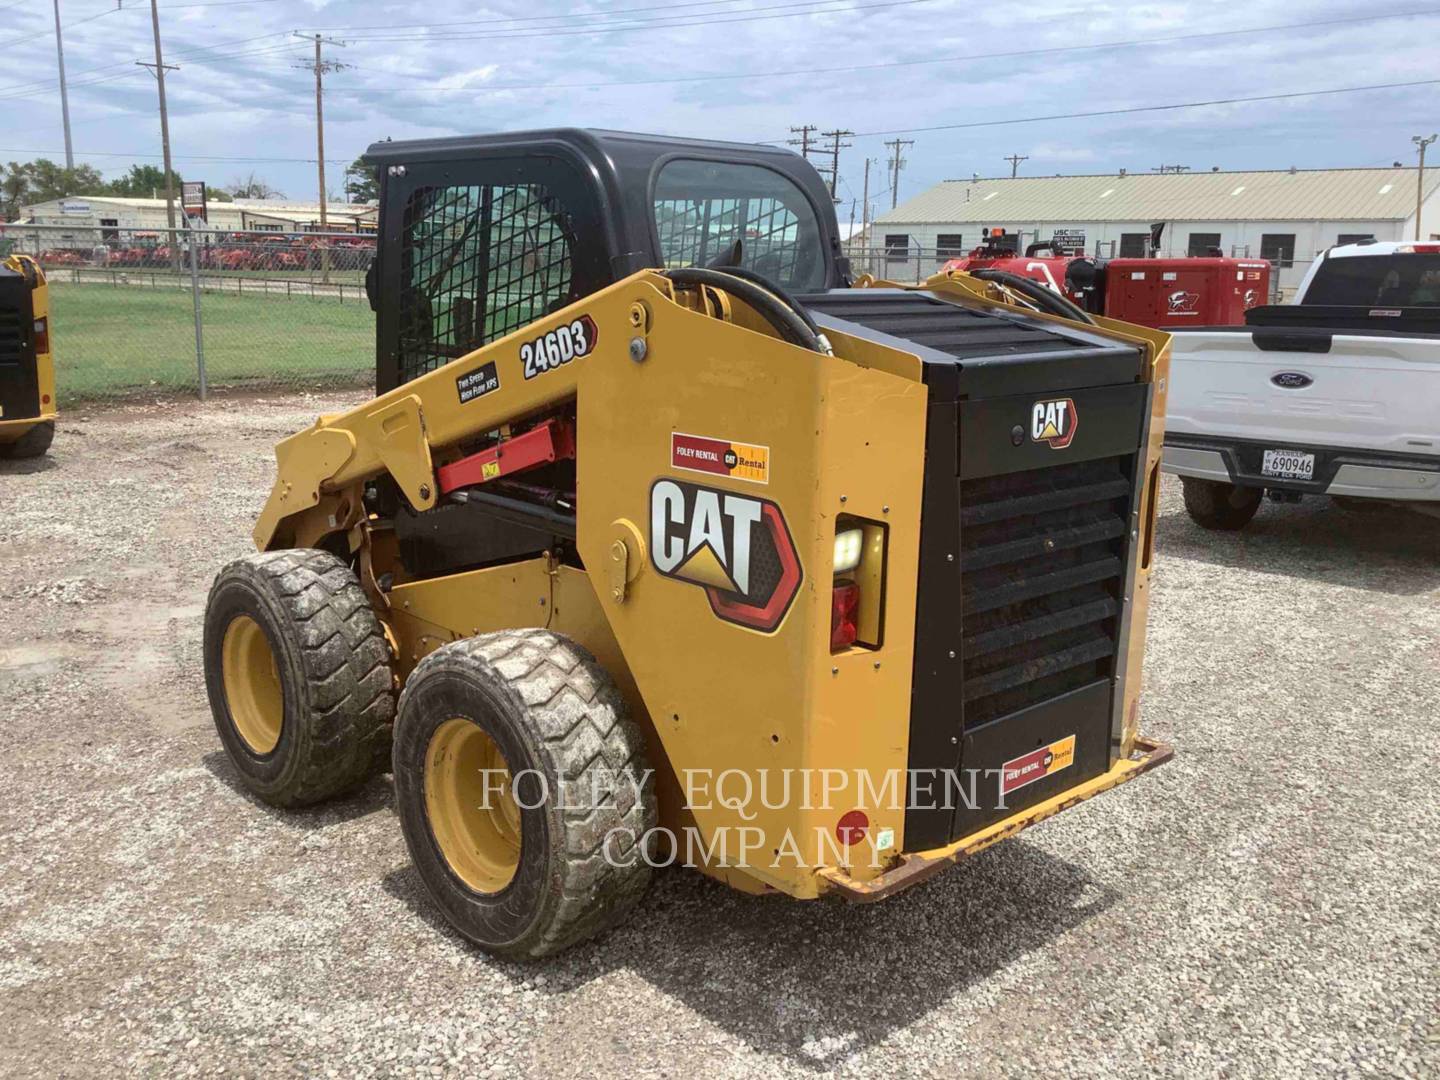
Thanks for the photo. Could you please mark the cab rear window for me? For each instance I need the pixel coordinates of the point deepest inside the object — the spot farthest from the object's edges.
(1403, 279)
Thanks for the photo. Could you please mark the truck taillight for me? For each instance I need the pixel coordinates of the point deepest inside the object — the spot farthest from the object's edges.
(42, 335)
(844, 611)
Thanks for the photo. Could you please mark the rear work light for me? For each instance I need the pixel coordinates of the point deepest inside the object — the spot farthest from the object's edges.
(856, 600)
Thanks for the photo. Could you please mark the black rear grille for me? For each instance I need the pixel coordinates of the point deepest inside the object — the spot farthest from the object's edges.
(1042, 567)
(12, 339)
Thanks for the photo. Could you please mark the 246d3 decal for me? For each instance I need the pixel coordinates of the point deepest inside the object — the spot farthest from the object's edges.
(559, 346)
(735, 547)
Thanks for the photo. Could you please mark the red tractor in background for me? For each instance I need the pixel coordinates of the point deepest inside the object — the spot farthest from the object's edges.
(1160, 292)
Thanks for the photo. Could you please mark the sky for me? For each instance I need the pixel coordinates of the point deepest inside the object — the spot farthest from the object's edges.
(242, 100)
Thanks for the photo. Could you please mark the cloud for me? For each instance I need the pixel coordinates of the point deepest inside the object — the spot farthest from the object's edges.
(243, 91)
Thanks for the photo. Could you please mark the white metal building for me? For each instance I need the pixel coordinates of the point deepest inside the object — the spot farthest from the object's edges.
(1285, 216)
(92, 215)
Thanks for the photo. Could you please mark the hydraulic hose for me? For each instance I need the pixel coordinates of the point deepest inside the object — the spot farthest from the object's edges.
(783, 316)
(1048, 300)
(765, 283)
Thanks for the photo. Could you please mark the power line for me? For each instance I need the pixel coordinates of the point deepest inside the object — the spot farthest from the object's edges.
(178, 157)
(1150, 108)
(949, 58)
(44, 88)
(563, 16)
(653, 24)
(78, 22)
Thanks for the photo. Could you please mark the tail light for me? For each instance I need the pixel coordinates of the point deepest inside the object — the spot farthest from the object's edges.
(844, 611)
(42, 335)
(859, 566)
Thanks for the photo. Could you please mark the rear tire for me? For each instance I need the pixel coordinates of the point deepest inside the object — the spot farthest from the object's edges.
(527, 870)
(298, 673)
(32, 444)
(1215, 505)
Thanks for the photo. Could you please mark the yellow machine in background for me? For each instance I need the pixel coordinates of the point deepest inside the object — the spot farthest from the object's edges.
(27, 372)
(818, 588)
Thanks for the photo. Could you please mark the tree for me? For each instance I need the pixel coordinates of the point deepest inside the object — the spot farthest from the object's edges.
(362, 182)
(143, 182)
(252, 187)
(42, 180)
(215, 194)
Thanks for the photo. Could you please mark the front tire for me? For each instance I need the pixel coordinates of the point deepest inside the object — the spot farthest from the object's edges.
(1219, 506)
(32, 444)
(522, 791)
(298, 673)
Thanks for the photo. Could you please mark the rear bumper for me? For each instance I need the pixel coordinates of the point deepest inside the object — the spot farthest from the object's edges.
(10, 430)
(915, 867)
(1365, 474)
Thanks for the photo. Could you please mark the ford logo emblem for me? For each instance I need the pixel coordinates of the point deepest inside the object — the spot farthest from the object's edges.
(1291, 380)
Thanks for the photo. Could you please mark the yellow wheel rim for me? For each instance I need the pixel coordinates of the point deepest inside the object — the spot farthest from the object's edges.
(252, 684)
(471, 806)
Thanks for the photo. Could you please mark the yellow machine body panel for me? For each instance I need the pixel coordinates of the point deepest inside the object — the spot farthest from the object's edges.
(742, 707)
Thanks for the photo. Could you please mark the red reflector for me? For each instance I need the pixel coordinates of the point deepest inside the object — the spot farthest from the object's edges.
(851, 828)
(844, 609)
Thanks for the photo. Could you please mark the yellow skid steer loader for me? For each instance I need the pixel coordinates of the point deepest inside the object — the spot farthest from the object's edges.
(665, 541)
(27, 372)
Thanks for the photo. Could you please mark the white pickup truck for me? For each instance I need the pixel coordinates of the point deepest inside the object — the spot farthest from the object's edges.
(1338, 394)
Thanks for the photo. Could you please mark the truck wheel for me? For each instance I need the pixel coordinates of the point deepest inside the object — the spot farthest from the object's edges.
(1213, 505)
(32, 444)
(298, 673)
(522, 790)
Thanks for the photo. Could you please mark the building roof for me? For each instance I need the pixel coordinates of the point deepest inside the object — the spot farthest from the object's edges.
(1283, 195)
(265, 207)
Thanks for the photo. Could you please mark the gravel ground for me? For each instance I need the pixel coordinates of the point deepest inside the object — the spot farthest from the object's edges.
(1265, 905)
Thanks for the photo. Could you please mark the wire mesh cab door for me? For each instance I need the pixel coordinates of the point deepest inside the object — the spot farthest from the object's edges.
(472, 250)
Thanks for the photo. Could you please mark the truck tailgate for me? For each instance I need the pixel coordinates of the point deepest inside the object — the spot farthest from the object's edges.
(1370, 392)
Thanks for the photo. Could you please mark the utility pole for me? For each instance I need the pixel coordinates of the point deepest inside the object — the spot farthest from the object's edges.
(1420, 179)
(865, 204)
(64, 99)
(1171, 168)
(804, 141)
(1014, 160)
(897, 162)
(321, 67)
(835, 147)
(158, 69)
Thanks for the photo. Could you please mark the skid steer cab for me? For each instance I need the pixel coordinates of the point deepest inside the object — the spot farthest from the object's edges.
(665, 542)
(27, 372)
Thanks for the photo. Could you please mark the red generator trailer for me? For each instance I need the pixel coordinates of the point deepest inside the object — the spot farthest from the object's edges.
(1192, 291)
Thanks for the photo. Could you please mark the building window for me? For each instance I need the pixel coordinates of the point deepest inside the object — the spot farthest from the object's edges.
(1134, 245)
(897, 247)
(1279, 248)
(109, 229)
(1207, 243)
(1356, 238)
(949, 246)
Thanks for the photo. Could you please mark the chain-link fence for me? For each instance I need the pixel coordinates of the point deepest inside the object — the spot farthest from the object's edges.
(156, 311)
